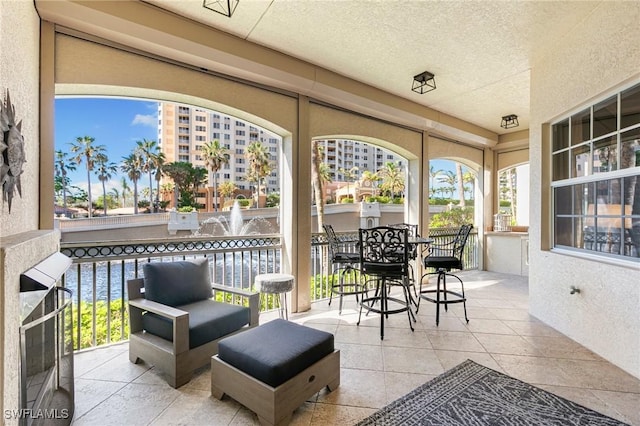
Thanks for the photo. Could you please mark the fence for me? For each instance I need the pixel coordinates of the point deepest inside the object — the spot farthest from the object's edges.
(100, 271)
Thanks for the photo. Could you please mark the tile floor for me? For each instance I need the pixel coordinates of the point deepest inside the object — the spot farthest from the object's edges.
(500, 335)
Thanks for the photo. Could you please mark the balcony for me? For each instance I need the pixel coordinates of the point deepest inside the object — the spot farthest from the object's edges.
(501, 335)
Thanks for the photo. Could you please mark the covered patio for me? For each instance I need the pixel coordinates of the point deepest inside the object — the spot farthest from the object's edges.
(501, 334)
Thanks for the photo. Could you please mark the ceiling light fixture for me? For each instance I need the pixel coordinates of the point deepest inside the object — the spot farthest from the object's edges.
(223, 7)
(509, 121)
(423, 83)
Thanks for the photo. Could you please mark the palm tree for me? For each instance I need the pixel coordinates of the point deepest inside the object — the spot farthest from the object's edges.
(105, 171)
(125, 190)
(63, 165)
(392, 179)
(132, 166)
(434, 174)
(148, 149)
(370, 179)
(460, 184)
(166, 189)
(158, 163)
(227, 189)
(349, 176)
(116, 194)
(317, 182)
(86, 151)
(448, 177)
(259, 160)
(215, 156)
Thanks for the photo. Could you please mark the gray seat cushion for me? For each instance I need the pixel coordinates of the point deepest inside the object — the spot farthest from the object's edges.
(208, 320)
(276, 351)
(177, 283)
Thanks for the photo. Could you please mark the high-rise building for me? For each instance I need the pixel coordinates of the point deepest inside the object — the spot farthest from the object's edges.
(183, 130)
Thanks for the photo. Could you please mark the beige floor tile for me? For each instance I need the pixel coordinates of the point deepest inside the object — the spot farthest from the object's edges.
(111, 390)
(515, 314)
(561, 347)
(360, 357)
(90, 393)
(532, 328)
(329, 414)
(450, 359)
(411, 360)
(599, 375)
(135, 404)
(399, 384)
(358, 388)
(358, 334)
(196, 407)
(91, 359)
(493, 326)
(534, 370)
(506, 344)
(118, 369)
(454, 340)
(625, 403)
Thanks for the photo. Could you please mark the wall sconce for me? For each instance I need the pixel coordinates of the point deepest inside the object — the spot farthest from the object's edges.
(223, 7)
(423, 83)
(509, 121)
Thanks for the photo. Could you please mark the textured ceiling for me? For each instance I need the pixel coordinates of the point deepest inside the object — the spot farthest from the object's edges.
(480, 52)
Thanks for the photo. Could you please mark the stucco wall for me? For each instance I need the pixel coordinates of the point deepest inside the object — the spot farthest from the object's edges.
(19, 67)
(592, 60)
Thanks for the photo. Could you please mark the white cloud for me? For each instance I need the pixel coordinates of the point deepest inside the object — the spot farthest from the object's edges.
(145, 120)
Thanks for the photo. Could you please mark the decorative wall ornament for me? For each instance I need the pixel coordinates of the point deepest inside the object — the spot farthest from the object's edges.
(12, 150)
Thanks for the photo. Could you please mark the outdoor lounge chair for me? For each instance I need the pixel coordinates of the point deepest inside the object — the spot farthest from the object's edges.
(175, 324)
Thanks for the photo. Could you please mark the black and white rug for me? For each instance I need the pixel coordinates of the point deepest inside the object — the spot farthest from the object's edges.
(471, 394)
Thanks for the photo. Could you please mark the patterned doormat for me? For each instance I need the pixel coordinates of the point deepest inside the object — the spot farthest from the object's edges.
(471, 394)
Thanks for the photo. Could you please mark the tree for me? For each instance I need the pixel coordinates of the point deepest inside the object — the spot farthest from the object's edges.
(349, 176)
(132, 166)
(105, 170)
(215, 156)
(392, 179)
(460, 184)
(63, 165)
(86, 151)
(449, 178)
(187, 180)
(434, 174)
(125, 190)
(159, 162)
(370, 179)
(227, 189)
(317, 182)
(148, 149)
(260, 164)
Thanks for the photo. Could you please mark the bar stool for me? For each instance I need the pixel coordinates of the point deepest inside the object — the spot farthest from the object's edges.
(279, 284)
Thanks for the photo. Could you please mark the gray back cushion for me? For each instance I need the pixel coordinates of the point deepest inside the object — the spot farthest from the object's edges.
(177, 283)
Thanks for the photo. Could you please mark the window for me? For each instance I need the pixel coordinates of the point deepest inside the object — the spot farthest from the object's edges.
(596, 178)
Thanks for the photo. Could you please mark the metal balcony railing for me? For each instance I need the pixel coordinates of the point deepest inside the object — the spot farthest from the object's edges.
(100, 272)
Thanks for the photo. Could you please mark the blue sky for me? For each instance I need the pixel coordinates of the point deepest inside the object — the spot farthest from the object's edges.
(114, 122)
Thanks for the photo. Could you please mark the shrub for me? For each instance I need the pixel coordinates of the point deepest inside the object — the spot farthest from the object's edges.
(244, 202)
(346, 200)
(453, 218)
(186, 209)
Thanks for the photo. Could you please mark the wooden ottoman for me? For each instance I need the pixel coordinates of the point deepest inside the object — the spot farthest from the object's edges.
(274, 368)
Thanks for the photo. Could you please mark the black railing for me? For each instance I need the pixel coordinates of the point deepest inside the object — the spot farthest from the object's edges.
(100, 272)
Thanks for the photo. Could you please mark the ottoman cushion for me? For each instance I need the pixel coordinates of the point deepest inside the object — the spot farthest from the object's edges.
(276, 351)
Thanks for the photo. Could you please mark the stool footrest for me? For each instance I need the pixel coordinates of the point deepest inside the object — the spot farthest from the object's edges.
(459, 297)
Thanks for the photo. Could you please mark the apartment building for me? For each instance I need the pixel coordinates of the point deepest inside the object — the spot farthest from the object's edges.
(183, 130)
